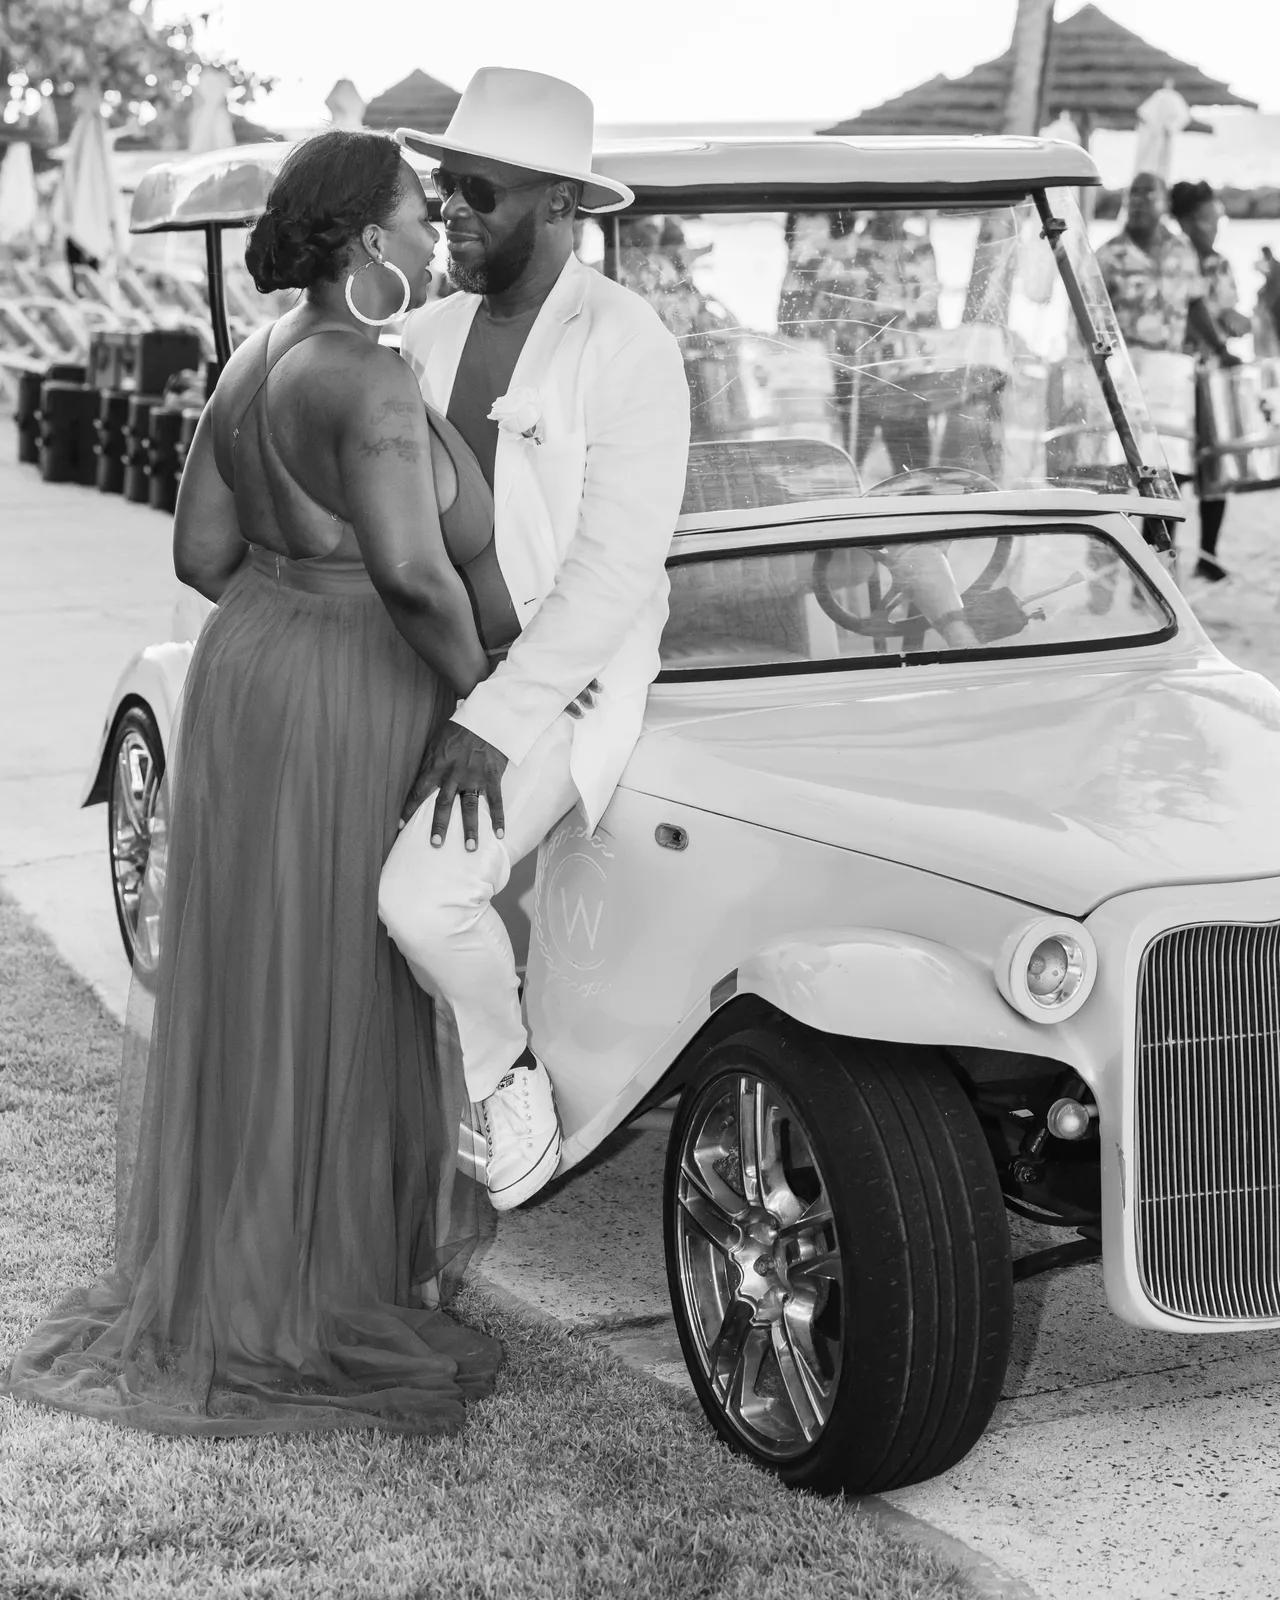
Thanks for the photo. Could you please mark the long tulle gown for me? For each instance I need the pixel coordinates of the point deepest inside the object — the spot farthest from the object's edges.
(288, 1126)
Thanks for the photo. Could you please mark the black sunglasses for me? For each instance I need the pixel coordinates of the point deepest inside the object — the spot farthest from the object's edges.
(481, 195)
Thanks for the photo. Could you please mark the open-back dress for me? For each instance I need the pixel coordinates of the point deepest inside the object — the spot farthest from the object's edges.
(289, 1122)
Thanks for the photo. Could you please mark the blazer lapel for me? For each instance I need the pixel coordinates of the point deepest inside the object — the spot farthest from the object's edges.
(444, 353)
(558, 310)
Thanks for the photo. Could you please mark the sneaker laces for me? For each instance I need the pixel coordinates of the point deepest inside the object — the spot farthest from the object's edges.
(515, 1107)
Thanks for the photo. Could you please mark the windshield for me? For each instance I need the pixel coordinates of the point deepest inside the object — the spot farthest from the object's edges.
(843, 353)
(848, 604)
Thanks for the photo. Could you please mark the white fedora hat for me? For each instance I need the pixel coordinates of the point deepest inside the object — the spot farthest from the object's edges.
(526, 119)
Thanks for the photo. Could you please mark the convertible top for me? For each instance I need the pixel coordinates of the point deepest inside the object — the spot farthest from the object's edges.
(228, 188)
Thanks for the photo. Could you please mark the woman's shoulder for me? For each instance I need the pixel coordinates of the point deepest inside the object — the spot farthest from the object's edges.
(367, 373)
(335, 369)
(245, 359)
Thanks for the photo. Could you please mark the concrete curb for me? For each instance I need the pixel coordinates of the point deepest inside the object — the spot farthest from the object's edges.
(987, 1578)
(650, 1347)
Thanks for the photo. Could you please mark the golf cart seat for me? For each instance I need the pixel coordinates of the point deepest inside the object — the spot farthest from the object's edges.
(740, 474)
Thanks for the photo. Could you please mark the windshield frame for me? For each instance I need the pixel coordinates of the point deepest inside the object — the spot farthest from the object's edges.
(922, 658)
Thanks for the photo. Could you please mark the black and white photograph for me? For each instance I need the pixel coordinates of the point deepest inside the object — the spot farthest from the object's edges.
(639, 823)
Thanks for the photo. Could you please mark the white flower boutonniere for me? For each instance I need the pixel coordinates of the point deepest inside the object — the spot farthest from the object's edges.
(519, 411)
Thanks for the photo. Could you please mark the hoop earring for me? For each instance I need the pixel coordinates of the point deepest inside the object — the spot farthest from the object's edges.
(378, 322)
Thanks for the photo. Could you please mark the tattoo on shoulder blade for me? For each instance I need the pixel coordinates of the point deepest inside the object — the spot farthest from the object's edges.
(407, 448)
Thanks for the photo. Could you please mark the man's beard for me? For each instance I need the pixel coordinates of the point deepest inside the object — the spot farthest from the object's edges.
(504, 265)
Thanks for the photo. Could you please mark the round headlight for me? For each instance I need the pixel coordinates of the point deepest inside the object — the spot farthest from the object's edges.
(1046, 969)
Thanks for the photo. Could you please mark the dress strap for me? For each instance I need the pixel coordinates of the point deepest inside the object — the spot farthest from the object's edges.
(269, 365)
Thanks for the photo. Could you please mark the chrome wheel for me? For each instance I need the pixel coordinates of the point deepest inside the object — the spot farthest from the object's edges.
(758, 1265)
(136, 770)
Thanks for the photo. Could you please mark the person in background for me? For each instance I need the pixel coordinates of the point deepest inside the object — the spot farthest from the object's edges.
(1158, 290)
(1266, 313)
(901, 278)
(1197, 211)
(864, 289)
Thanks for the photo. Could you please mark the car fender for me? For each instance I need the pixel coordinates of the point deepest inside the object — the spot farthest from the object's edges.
(877, 983)
(153, 678)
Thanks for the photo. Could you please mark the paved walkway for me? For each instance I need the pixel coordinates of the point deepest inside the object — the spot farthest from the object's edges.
(1121, 1463)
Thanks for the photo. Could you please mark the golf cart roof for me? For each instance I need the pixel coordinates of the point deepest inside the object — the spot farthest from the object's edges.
(228, 188)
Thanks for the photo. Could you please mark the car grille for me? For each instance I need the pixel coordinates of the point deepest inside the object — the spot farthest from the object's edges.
(1207, 1140)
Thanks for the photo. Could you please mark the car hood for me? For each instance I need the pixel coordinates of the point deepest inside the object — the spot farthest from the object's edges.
(1056, 785)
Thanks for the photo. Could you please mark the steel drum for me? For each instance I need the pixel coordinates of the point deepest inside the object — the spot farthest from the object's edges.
(1240, 428)
(939, 369)
(1168, 382)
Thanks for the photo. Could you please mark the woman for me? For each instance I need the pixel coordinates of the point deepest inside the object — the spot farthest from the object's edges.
(286, 1187)
(1197, 212)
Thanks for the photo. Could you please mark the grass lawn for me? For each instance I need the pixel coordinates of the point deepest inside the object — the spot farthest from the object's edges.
(576, 1478)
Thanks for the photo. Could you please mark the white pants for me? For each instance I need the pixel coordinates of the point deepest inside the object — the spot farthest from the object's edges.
(436, 905)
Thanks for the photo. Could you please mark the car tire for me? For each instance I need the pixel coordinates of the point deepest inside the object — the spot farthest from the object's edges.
(844, 1303)
(135, 768)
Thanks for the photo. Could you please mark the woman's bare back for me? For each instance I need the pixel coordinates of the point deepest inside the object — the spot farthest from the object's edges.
(280, 407)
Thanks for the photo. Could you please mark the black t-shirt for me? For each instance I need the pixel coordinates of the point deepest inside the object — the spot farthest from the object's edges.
(484, 374)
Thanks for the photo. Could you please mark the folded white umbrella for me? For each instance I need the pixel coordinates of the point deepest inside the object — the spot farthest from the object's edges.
(346, 105)
(18, 206)
(210, 127)
(87, 208)
(1161, 118)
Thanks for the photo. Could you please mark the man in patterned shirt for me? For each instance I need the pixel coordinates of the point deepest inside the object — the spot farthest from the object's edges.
(1160, 295)
(1153, 275)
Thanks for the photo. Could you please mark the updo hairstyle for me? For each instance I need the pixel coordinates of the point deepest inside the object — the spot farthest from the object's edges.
(1185, 199)
(327, 191)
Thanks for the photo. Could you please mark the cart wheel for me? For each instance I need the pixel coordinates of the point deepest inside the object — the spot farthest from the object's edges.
(838, 1258)
(136, 766)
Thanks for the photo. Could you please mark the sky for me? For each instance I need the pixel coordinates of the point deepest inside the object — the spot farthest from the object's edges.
(696, 60)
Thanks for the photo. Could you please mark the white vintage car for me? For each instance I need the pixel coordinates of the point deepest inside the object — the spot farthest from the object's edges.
(945, 880)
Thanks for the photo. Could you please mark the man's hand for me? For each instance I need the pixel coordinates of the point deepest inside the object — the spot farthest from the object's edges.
(462, 767)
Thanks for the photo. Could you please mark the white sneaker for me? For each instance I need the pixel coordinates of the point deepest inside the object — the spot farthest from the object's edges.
(522, 1136)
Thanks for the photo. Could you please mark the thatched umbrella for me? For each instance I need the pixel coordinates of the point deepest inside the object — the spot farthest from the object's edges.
(1098, 71)
(418, 101)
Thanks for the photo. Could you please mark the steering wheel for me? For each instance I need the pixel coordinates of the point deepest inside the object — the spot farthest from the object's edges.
(921, 480)
(878, 624)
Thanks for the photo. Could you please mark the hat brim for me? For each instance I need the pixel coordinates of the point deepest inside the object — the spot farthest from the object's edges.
(599, 194)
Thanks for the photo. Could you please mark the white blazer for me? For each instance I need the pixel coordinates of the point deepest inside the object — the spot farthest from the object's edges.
(583, 520)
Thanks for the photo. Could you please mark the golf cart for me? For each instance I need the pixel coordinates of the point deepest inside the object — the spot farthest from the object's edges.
(944, 881)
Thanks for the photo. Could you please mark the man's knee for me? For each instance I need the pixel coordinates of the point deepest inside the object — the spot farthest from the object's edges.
(425, 904)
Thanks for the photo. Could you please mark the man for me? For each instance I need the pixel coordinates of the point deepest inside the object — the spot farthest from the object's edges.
(1153, 275)
(899, 295)
(572, 395)
(1158, 291)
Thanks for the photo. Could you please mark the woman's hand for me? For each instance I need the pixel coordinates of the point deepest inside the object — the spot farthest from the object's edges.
(583, 703)
(384, 462)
